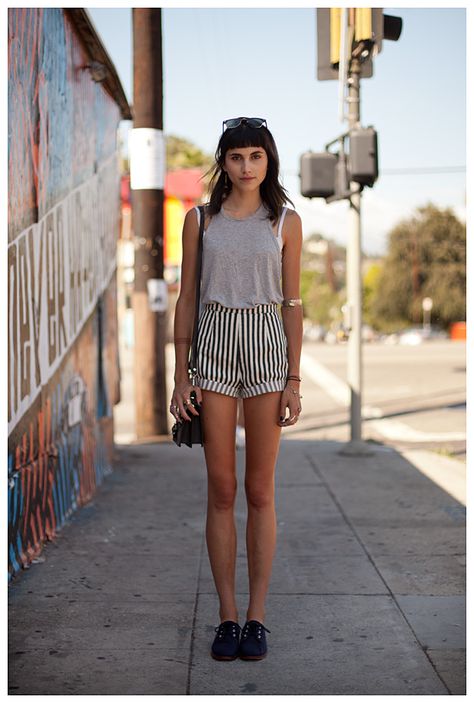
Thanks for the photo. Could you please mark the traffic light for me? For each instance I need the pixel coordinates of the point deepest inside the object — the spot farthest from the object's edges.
(318, 174)
(367, 28)
(335, 35)
(363, 156)
(328, 175)
(363, 33)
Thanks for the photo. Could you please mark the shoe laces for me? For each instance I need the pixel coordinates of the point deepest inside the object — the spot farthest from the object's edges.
(253, 627)
(226, 628)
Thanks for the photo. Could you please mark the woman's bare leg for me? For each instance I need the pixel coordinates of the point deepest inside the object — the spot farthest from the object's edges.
(218, 416)
(261, 452)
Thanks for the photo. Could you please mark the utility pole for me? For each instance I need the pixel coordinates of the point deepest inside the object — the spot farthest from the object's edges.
(348, 39)
(147, 172)
(354, 280)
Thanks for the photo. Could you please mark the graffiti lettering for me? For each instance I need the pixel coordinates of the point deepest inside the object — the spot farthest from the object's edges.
(75, 242)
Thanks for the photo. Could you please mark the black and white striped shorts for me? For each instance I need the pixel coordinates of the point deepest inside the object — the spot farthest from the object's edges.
(241, 352)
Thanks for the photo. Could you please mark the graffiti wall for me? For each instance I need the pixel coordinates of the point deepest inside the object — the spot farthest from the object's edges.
(63, 224)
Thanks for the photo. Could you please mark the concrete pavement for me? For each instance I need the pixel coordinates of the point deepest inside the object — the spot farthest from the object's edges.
(366, 597)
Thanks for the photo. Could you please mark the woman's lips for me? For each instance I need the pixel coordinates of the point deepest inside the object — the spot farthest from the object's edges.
(251, 178)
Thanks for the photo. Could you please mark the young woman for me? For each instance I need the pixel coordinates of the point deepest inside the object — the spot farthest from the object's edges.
(251, 266)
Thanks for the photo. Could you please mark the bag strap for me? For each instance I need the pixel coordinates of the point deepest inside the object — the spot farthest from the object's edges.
(192, 361)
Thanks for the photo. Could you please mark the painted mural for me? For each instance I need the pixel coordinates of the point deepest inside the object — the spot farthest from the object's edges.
(63, 224)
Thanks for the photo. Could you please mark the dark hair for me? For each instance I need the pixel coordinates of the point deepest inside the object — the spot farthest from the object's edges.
(273, 194)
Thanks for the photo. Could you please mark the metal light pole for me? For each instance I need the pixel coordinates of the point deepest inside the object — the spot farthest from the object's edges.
(355, 447)
(347, 40)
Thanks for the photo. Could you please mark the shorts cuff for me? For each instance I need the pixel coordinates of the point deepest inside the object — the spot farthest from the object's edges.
(267, 387)
(217, 387)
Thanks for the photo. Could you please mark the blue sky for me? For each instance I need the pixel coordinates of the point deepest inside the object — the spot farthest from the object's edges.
(220, 63)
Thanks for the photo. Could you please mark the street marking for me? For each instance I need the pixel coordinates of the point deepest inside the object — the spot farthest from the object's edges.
(391, 429)
(330, 383)
(396, 430)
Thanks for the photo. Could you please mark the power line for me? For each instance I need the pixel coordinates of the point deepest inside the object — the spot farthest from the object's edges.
(405, 171)
(422, 170)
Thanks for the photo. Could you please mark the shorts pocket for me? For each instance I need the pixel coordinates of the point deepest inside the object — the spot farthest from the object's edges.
(276, 347)
(206, 334)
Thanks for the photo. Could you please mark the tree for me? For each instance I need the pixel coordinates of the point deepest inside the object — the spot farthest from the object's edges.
(322, 279)
(181, 153)
(426, 258)
(369, 291)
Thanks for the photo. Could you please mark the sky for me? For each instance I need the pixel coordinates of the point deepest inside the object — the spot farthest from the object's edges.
(220, 63)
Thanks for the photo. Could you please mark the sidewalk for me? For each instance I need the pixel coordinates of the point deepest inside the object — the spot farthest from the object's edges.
(367, 592)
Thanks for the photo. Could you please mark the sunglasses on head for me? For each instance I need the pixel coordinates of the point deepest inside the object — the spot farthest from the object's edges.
(234, 122)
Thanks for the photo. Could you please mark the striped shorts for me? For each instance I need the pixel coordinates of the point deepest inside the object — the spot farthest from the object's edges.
(241, 352)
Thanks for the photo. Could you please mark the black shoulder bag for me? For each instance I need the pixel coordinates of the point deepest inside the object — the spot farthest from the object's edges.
(190, 432)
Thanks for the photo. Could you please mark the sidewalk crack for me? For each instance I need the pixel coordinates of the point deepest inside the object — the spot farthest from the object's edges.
(193, 626)
(320, 475)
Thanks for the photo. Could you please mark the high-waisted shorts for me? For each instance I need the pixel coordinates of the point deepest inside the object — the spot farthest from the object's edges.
(241, 352)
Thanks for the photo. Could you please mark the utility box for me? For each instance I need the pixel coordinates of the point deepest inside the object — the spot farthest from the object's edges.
(363, 156)
(317, 174)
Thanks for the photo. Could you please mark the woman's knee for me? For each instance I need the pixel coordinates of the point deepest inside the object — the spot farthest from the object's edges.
(259, 495)
(222, 493)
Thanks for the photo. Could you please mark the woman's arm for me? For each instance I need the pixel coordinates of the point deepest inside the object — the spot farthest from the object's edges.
(292, 317)
(184, 314)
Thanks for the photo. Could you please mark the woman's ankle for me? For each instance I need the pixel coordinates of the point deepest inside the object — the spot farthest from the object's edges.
(256, 614)
(229, 615)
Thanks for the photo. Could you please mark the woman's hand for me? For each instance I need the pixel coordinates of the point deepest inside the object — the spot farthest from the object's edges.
(181, 406)
(291, 399)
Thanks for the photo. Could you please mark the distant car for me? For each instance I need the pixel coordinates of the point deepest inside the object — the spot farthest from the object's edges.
(411, 336)
(314, 333)
(416, 335)
(368, 334)
(330, 337)
(390, 339)
(437, 333)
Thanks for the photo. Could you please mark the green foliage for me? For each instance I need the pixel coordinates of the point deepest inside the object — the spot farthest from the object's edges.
(321, 284)
(426, 258)
(370, 285)
(181, 153)
(321, 304)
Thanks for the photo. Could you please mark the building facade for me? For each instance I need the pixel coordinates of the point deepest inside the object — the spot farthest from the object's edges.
(65, 103)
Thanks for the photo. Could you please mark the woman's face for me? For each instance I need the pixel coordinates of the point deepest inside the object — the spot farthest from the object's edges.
(246, 167)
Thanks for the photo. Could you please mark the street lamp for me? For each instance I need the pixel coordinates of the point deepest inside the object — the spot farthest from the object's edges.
(427, 305)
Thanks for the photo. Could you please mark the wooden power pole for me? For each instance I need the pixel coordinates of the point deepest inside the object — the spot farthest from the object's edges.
(147, 174)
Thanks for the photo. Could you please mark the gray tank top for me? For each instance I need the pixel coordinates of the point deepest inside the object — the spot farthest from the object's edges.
(241, 260)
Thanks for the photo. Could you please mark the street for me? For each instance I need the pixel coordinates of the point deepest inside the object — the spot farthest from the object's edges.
(412, 396)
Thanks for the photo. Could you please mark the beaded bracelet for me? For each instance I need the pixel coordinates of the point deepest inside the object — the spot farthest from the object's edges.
(182, 340)
(293, 378)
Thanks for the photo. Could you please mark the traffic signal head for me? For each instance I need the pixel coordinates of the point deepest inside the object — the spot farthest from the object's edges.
(363, 156)
(328, 175)
(367, 27)
(317, 174)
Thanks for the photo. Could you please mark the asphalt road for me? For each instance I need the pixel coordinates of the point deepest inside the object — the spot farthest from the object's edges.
(412, 397)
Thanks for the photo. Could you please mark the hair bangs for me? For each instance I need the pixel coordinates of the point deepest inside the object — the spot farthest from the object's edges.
(242, 137)
(272, 192)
